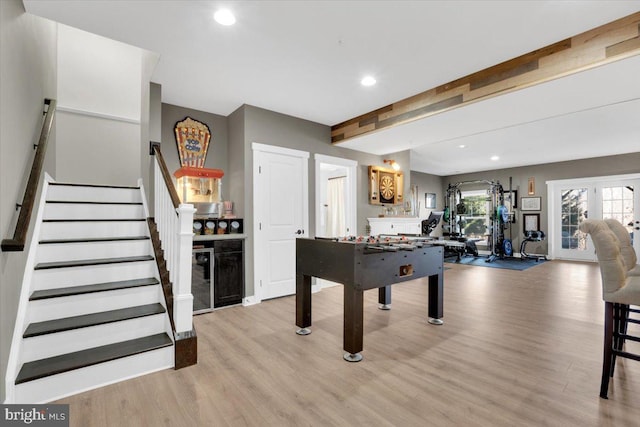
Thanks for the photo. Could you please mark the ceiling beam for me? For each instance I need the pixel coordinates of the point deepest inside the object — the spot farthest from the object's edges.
(610, 42)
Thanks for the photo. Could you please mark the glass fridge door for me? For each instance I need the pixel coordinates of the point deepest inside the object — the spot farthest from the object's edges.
(202, 280)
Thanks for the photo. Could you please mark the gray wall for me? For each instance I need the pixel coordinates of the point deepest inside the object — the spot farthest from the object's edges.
(428, 183)
(27, 76)
(235, 175)
(601, 166)
(251, 124)
(217, 154)
(155, 135)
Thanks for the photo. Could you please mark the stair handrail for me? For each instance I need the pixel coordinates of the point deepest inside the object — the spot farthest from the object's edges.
(16, 244)
(174, 223)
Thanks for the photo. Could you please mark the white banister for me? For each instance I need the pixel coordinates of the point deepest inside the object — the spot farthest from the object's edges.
(175, 228)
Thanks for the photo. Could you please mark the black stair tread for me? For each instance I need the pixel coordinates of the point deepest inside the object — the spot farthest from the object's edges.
(80, 359)
(87, 202)
(93, 239)
(87, 289)
(69, 184)
(93, 319)
(86, 262)
(93, 219)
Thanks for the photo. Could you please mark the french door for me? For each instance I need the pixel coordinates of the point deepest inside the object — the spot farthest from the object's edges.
(573, 201)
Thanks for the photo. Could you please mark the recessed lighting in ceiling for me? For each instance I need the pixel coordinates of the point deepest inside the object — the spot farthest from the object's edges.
(368, 81)
(461, 146)
(224, 17)
(494, 158)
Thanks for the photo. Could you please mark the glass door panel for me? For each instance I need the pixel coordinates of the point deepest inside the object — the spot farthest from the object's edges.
(620, 201)
(202, 280)
(574, 208)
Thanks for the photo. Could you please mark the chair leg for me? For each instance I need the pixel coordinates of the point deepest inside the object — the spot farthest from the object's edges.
(617, 330)
(608, 347)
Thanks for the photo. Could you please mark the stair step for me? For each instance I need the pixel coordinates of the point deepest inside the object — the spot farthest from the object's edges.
(82, 202)
(86, 320)
(93, 220)
(93, 239)
(68, 184)
(88, 289)
(80, 359)
(87, 262)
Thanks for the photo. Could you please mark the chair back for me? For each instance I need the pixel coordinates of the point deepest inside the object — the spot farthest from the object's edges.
(612, 266)
(624, 239)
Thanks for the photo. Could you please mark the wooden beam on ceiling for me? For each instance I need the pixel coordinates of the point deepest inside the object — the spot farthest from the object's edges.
(610, 42)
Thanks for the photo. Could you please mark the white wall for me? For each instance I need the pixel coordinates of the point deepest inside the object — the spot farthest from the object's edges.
(27, 76)
(99, 101)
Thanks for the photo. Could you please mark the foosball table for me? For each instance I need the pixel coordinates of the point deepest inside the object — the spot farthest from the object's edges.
(361, 263)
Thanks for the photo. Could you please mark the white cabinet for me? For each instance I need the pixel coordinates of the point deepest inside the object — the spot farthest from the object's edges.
(394, 225)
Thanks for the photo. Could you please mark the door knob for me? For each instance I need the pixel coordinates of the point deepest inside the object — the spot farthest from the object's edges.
(300, 232)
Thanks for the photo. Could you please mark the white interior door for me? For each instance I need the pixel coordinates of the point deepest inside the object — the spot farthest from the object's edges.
(281, 215)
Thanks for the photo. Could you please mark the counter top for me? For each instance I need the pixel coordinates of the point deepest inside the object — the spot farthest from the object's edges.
(203, 237)
(395, 219)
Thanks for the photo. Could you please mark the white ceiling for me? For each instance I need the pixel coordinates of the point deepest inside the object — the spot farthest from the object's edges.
(306, 58)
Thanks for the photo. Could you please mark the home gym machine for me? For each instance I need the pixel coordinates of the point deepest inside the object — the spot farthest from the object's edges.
(456, 211)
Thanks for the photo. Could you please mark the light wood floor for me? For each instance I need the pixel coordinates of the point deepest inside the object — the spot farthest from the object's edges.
(518, 348)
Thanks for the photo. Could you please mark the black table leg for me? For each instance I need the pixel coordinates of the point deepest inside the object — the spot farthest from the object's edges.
(436, 291)
(384, 297)
(353, 324)
(303, 304)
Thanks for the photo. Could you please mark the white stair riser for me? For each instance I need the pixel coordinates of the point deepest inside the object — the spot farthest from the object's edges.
(91, 211)
(58, 386)
(76, 305)
(88, 275)
(93, 194)
(43, 346)
(89, 229)
(53, 252)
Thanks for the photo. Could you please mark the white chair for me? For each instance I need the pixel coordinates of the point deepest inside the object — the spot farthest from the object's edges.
(619, 291)
(626, 249)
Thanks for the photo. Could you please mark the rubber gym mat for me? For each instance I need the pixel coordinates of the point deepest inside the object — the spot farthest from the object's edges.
(508, 263)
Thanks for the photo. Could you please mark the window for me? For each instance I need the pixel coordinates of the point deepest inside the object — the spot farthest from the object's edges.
(475, 221)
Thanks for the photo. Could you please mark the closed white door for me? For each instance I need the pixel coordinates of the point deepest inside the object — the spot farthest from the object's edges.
(281, 215)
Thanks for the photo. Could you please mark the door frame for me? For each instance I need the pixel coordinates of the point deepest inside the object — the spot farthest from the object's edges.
(553, 187)
(259, 240)
(350, 195)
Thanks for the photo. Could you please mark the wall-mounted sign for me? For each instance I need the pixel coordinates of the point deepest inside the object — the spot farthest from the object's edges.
(193, 139)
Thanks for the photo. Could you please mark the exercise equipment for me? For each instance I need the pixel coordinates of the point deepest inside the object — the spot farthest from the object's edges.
(456, 212)
(429, 224)
(531, 236)
(507, 247)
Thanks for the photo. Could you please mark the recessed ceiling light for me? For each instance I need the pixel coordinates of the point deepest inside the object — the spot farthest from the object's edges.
(494, 158)
(461, 146)
(368, 81)
(224, 17)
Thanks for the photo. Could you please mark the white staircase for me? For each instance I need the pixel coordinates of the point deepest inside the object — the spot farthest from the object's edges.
(94, 313)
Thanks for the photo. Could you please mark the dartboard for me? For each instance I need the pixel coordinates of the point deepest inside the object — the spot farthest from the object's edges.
(386, 187)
